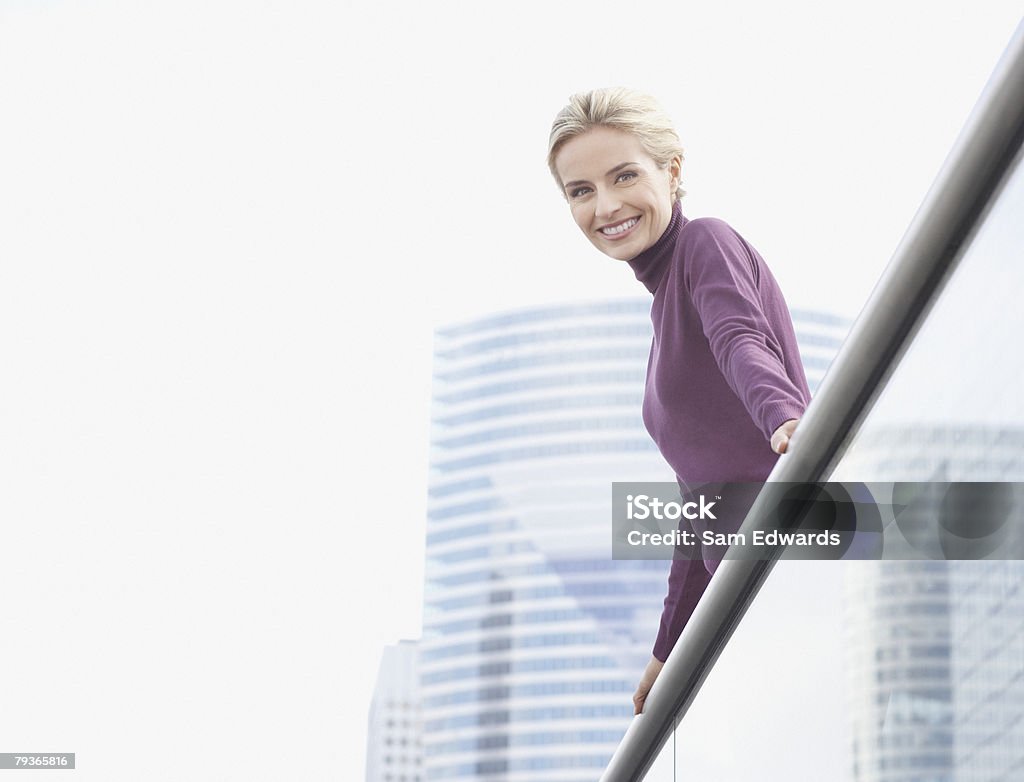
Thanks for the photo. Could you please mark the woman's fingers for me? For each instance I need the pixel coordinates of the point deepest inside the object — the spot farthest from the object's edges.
(639, 697)
(646, 682)
(780, 437)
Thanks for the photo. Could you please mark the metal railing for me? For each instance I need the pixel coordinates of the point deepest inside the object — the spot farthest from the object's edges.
(940, 231)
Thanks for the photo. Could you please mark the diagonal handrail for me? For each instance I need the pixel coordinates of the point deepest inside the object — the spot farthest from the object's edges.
(969, 178)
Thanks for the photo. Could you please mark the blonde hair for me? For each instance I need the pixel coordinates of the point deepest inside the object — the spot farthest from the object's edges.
(622, 108)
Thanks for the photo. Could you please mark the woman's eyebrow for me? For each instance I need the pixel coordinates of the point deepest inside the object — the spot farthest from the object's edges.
(609, 173)
(619, 167)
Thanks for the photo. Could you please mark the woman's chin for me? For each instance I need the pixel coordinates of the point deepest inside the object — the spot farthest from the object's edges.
(623, 252)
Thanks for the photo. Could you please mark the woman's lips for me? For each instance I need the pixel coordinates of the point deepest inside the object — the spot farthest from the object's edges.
(622, 234)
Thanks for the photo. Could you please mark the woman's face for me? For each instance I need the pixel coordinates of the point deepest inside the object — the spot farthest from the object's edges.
(618, 196)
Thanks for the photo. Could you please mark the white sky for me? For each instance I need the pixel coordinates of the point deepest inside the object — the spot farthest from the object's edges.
(227, 230)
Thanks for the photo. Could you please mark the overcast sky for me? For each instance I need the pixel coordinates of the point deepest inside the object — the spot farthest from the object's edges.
(227, 231)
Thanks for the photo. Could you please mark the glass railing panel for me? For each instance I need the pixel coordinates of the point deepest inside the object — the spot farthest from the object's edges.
(941, 657)
(774, 705)
(953, 410)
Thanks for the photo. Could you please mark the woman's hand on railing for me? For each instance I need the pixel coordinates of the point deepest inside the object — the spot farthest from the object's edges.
(780, 437)
(646, 682)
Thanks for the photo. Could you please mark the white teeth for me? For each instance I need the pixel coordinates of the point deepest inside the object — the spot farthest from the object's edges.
(617, 229)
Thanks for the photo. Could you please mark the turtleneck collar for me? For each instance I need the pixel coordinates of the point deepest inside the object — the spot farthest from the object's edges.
(650, 265)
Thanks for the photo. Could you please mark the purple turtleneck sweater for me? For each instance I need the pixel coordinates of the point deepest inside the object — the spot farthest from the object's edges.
(723, 374)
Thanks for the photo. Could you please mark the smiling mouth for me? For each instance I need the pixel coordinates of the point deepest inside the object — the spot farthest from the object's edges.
(619, 229)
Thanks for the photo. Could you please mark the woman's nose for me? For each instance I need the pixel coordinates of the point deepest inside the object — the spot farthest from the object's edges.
(607, 203)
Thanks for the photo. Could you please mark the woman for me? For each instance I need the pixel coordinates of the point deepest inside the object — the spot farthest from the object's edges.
(725, 386)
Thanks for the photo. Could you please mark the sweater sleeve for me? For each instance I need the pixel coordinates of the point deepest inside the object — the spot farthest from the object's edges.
(722, 279)
(687, 581)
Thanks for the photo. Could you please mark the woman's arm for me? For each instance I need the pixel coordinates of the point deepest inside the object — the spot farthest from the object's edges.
(686, 584)
(723, 281)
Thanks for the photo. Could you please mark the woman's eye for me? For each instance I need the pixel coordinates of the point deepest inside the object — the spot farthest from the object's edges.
(625, 176)
(579, 191)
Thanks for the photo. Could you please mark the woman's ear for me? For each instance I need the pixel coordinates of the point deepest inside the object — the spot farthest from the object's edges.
(675, 166)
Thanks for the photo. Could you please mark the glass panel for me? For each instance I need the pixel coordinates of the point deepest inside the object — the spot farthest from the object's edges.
(941, 657)
(954, 408)
(898, 670)
(773, 706)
